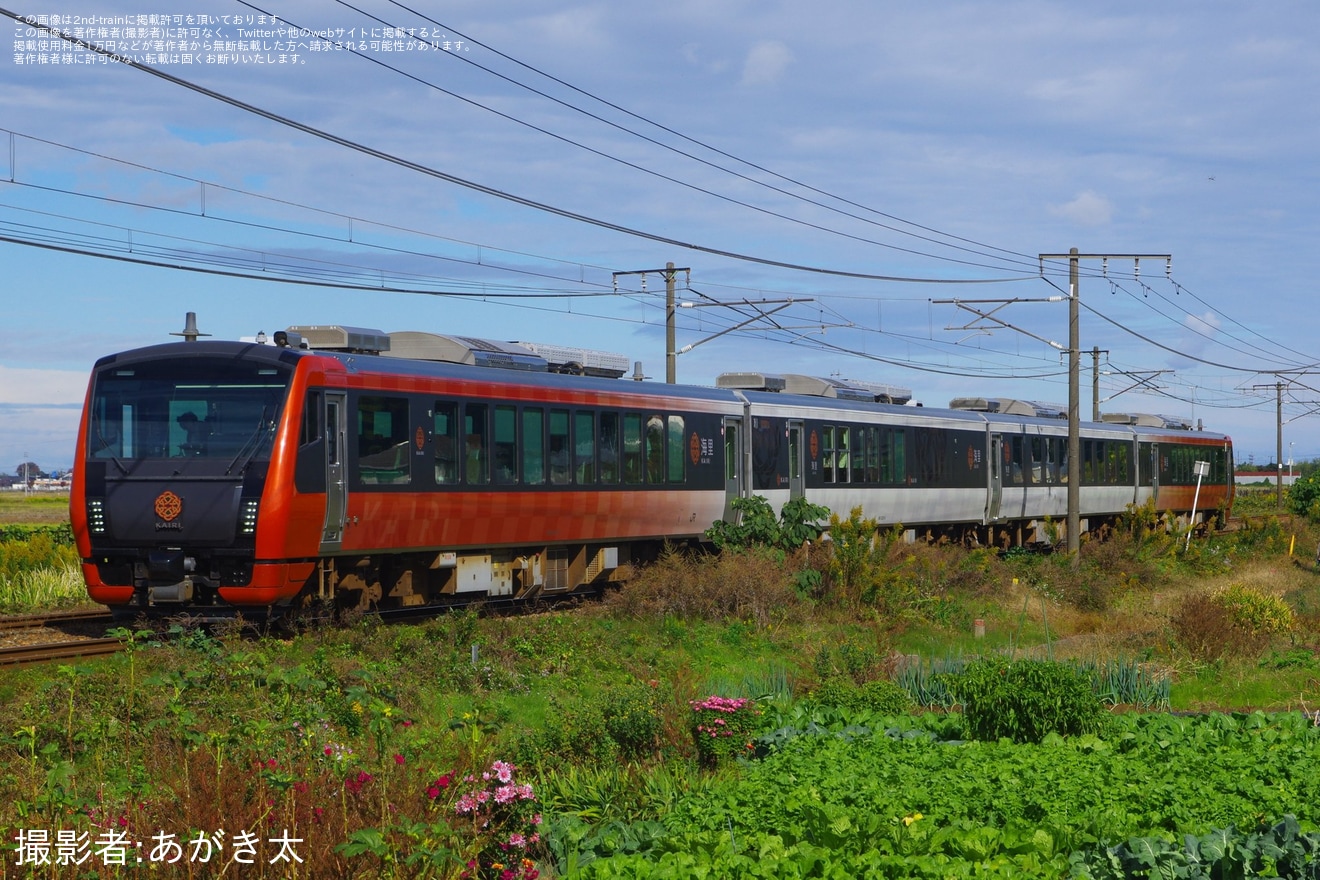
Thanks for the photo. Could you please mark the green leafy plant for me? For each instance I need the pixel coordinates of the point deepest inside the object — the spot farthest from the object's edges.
(1026, 700)
(799, 521)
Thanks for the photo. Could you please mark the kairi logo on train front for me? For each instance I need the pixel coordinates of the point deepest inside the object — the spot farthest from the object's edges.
(168, 508)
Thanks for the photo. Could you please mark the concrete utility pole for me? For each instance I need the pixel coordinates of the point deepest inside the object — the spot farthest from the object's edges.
(1095, 382)
(1278, 439)
(670, 273)
(1074, 382)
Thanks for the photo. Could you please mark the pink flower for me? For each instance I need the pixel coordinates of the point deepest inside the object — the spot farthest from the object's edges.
(398, 759)
(503, 771)
(433, 792)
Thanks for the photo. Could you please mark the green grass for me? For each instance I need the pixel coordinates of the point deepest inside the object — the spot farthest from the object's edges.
(33, 508)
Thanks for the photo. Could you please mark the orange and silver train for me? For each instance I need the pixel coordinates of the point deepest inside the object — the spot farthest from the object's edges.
(411, 469)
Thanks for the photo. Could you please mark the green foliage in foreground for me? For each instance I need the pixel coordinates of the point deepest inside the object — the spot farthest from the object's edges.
(846, 801)
(1026, 700)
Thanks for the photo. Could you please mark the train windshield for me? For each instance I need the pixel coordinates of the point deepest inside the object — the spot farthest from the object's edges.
(200, 408)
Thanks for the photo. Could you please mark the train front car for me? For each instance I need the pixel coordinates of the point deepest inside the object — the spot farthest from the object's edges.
(174, 452)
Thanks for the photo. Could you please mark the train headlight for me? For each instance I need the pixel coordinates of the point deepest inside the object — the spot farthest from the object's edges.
(247, 519)
(96, 523)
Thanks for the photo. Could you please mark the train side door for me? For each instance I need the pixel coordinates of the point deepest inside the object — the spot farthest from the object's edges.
(734, 459)
(336, 420)
(1155, 471)
(796, 464)
(996, 477)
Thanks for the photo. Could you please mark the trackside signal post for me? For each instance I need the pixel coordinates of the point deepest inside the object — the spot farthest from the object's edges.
(1074, 373)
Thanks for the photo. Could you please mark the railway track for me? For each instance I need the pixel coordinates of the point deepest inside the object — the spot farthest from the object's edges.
(54, 618)
(21, 655)
(55, 635)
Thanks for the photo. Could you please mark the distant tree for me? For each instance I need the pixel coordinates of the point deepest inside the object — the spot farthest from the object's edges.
(28, 469)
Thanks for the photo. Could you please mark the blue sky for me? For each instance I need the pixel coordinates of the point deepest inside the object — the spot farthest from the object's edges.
(863, 159)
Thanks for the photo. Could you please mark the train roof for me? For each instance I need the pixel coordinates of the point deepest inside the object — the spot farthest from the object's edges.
(365, 350)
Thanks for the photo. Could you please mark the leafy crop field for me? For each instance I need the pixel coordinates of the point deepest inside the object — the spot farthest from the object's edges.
(762, 713)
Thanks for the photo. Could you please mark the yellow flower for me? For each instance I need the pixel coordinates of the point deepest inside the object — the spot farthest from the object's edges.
(908, 820)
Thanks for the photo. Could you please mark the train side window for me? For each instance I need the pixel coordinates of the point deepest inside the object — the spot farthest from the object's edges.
(1015, 467)
(655, 449)
(504, 451)
(1121, 451)
(533, 446)
(1087, 457)
(827, 454)
(900, 455)
(1037, 460)
(476, 452)
(445, 432)
(384, 446)
(872, 455)
(609, 447)
(860, 445)
(560, 467)
(584, 447)
(677, 450)
(632, 448)
(842, 456)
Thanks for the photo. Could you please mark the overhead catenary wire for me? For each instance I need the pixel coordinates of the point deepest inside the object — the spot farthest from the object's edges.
(494, 192)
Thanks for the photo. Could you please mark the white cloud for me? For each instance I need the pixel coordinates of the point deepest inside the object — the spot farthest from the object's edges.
(1087, 209)
(1206, 324)
(30, 386)
(766, 63)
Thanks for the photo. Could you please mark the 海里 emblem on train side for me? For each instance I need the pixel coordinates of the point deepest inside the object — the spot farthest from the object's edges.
(168, 506)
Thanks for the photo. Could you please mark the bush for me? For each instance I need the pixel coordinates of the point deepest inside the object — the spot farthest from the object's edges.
(1026, 700)
(1304, 496)
(880, 696)
(632, 719)
(723, 727)
(750, 585)
(1235, 622)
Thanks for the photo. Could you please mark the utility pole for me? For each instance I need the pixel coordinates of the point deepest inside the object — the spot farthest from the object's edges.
(1278, 387)
(1074, 392)
(1095, 382)
(670, 273)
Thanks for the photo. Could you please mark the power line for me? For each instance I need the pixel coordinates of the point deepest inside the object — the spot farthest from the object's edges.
(483, 188)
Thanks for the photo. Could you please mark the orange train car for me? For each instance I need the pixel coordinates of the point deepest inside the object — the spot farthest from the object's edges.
(214, 478)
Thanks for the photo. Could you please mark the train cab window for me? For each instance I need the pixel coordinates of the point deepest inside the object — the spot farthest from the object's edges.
(445, 433)
(677, 450)
(533, 447)
(584, 447)
(609, 448)
(476, 444)
(311, 420)
(384, 441)
(560, 468)
(655, 449)
(504, 448)
(827, 454)
(632, 448)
